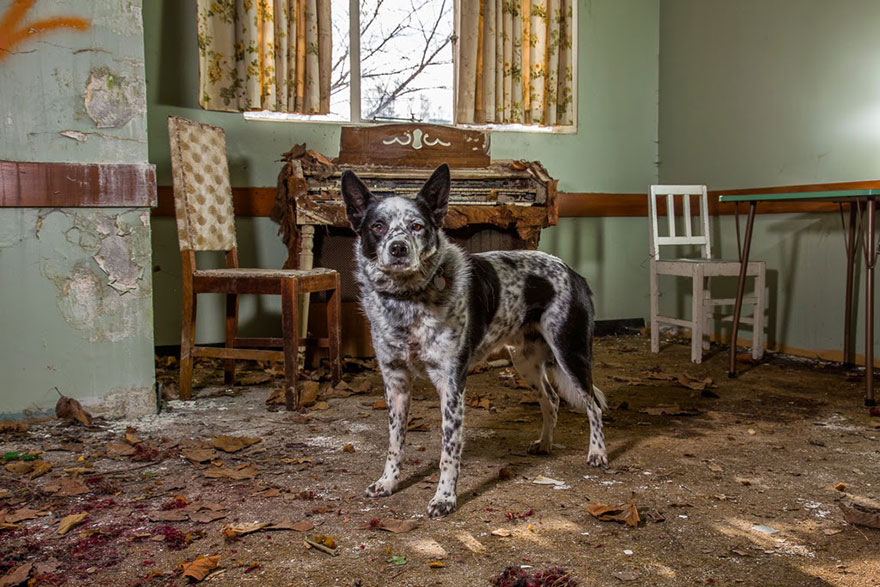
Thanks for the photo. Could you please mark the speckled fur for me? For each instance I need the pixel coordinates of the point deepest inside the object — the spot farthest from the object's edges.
(435, 310)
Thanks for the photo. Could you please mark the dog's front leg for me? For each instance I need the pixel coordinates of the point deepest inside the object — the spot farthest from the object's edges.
(397, 396)
(451, 390)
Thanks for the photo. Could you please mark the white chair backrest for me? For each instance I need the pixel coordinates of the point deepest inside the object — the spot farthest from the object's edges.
(679, 215)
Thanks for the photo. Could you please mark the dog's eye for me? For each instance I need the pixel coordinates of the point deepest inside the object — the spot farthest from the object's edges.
(378, 227)
(415, 226)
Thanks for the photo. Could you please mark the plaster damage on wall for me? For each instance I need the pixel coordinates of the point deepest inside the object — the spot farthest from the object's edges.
(100, 280)
(112, 100)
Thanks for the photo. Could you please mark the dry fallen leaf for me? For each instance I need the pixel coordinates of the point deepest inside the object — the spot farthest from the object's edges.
(20, 467)
(501, 532)
(199, 568)
(276, 398)
(380, 404)
(471, 543)
(199, 455)
(669, 410)
(398, 526)
(245, 528)
(24, 514)
(233, 443)
(69, 522)
(206, 516)
(254, 379)
(12, 426)
(479, 402)
(417, 424)
(322, 405)
(118, 449)
(70, 409)
(542, 480)
(40, 469)
(169, 516)
(131, 437)
(244, 471)
(66, 487)
(16, 576)
(267, 493)
(303, 526)
(308, 392)
(624, 514)
(349, 447)
(861, 515)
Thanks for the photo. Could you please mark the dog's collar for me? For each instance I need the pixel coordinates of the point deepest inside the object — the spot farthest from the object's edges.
(438, 281)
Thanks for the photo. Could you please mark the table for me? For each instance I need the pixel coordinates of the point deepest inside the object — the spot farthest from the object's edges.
(858, 200)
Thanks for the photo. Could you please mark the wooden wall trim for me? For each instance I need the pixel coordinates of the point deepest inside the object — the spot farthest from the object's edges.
(258, 201)
(247, 201)
(75, 185)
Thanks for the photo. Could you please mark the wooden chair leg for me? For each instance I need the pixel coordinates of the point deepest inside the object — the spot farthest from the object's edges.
(231, 334)
(655, 309)
(187, 341)
(697, 317)
(334, 330)
(290, 332)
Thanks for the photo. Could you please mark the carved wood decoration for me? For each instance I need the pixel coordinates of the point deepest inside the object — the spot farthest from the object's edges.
(413, 145)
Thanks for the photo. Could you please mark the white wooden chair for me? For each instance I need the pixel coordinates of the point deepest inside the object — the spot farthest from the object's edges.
(679, 229)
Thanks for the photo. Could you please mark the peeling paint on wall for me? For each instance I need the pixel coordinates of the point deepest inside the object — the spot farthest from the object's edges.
(100, 280)
(111, 100)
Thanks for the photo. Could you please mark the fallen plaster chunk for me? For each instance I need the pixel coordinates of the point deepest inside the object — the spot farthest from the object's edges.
(75, 135)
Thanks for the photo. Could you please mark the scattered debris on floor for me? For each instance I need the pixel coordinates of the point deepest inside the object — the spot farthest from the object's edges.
(770, 478)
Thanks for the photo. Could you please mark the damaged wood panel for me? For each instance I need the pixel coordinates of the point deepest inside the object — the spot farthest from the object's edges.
(72, 185)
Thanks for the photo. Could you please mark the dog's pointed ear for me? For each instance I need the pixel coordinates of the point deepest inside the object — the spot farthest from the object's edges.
(357, 197)
(435, 193)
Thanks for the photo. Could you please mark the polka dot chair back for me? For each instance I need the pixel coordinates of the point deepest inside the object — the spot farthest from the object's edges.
(202, 193)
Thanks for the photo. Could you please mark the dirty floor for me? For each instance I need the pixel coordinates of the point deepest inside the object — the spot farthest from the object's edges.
(733, 481)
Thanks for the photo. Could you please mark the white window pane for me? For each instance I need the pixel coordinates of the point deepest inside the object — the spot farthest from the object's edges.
(406, 60)
(340, 78)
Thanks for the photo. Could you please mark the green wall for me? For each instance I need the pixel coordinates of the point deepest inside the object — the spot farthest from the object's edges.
(614, 150)
(75, 283)
(775, 92)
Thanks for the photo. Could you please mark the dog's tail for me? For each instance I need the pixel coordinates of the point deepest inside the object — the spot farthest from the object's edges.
(572, 393)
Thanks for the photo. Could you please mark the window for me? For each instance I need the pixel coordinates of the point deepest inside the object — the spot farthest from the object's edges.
(405, 61)
(395, 60)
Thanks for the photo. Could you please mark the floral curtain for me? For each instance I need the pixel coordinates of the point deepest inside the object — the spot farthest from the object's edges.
(264, 55)
(513, 62)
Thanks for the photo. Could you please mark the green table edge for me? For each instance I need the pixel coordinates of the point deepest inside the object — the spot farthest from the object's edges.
(827, 195)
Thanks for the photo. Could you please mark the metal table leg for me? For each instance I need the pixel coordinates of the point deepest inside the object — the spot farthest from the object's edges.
(848, 353)
(869, 307)
(740, 287)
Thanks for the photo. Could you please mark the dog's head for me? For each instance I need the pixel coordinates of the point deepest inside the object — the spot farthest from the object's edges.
(397, 235)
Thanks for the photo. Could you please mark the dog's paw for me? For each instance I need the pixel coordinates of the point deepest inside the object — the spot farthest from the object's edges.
(597, 459)
(379, 489)
(536, 448)
(438, 508)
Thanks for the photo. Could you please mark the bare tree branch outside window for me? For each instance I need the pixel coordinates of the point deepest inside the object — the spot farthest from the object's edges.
(406, 59)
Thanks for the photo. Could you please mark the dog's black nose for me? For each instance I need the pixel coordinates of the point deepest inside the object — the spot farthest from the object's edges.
(399, 249)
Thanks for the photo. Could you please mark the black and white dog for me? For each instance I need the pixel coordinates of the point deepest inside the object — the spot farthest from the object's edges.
(435, 310)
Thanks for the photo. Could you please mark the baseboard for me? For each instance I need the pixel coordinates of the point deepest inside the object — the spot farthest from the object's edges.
(619, 326)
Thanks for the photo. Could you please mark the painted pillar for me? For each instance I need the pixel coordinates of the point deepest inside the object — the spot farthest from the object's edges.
(75, 195)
